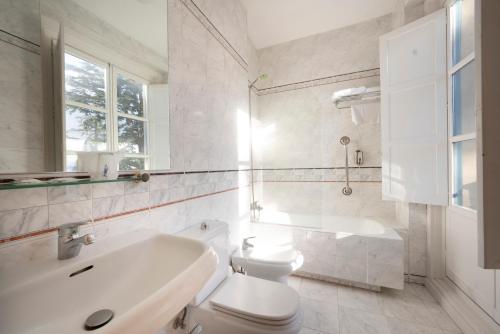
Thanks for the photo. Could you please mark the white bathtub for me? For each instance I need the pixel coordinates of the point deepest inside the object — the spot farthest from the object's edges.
(346, 249)
(333, 224)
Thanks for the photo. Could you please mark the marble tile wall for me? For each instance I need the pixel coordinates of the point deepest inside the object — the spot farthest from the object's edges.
(208, 98)
(230, 18)
(363, 174)
(340, 51)
(25, 211)
(21, 18)
(326, 199)
(22, 138)
(409, 11)
(302, 128)
(210, 153)
(412, 226)
(168, 203)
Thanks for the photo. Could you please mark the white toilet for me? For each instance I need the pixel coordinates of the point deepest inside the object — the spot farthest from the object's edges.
(230, 304)
(270, 262)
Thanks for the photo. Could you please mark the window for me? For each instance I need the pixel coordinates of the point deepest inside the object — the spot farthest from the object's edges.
(131, 120)
(101, 116)
(462, 107)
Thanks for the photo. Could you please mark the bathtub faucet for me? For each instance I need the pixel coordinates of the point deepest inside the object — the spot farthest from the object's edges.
(246, 245)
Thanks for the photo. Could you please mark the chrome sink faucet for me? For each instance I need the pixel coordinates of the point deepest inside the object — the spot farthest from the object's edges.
(246, 245)
(70, 242)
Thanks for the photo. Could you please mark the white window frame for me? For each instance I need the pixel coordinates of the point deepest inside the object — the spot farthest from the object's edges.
(452, 69)
(115, 70)
(111, 109)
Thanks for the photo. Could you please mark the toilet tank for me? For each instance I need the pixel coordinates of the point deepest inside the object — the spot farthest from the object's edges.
(215, 234)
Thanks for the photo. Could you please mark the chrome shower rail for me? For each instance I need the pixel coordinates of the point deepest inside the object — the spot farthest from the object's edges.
(345, 141)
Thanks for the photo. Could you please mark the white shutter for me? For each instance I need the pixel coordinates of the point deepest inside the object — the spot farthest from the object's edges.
(58, 65)
(52, 57)
(414, 114)
(487, 30)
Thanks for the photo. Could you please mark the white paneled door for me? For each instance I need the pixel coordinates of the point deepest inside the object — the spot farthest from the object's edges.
(414, 113)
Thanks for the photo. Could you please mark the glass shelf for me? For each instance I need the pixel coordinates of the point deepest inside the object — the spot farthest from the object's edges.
(12, 185)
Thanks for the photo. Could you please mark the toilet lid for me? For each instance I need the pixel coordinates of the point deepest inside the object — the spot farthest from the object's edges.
(272, 255)
(257, 300)
(279, 323)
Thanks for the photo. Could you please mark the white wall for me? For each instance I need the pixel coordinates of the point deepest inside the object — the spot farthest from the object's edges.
(22, 137)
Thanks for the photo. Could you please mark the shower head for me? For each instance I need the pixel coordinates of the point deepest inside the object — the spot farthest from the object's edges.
(260, 77)
(263, 76)
(345, 140)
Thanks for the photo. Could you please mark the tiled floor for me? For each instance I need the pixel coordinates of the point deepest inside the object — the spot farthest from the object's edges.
(332, 309)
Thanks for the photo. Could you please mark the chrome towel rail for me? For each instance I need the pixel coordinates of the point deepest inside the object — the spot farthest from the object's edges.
(345, 141)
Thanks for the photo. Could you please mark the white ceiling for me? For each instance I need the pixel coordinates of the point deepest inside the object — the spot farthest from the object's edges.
(272, 22)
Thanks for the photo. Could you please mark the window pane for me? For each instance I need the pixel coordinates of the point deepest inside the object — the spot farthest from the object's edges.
(84, 82)
(464, 100)
(462, 29)
(85, 130)
(130, 96)
(132, 164)
(131, 136)
(464, 173)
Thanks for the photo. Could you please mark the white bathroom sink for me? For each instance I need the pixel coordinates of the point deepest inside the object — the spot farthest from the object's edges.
(145, 284)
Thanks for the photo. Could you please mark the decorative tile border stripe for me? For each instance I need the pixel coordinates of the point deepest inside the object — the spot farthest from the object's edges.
(28, 235)
(335, 174)
(205, 21)
(370, 73)
(19, 42)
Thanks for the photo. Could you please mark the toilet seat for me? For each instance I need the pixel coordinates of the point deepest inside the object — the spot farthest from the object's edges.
(256, 300)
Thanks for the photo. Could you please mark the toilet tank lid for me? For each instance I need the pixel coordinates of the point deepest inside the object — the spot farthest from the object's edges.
(205, 230)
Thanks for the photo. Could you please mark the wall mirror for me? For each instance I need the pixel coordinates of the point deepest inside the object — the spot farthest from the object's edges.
(98, 77)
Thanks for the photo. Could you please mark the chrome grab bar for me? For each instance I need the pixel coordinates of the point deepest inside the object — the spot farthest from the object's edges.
(345, 141)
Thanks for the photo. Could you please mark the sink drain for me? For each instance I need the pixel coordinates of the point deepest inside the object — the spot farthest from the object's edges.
(98, 319)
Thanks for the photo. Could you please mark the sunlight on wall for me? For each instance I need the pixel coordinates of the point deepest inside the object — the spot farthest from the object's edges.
(243, 135)
(263, 136)
(243, 127)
